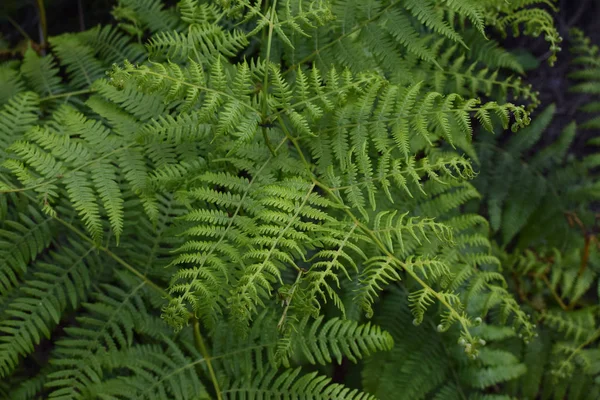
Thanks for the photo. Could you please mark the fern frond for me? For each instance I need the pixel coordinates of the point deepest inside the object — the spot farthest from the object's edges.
(43, 298)
(342, 338)
(83, 145)
(10, 83)
(42, 73)
(202, 42)
(22, 241)
(110, 46)
(78, 58)
(107, 326)
(17, 116)
(153, 372)
(288, 383)
(140, 15)
(587, 75)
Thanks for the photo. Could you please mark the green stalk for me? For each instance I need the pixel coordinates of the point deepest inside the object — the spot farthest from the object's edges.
(203, 350)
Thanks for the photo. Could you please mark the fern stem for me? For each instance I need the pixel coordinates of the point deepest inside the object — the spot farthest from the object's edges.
(288, 301)
(115, 257)
(265, 88)
(67, 94)
(203, 350)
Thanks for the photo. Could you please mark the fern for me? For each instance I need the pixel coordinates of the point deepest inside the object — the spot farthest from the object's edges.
(214, 199)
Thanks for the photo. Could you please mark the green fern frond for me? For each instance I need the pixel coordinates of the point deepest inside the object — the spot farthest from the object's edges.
(78, 58)
(308, 386)
(108, 326)
(153, 372)
(204, 43)
(342, 338)
(587, 75)
(10, 83)
(18, 115)
(83, 145)
(22, 241)
(140, 15)
(57, 284)
(110, 46)
(42, 73)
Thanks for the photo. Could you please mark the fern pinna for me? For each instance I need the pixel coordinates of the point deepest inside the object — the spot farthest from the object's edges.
(221, 214)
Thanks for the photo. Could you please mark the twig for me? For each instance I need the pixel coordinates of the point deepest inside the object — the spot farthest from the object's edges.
(81, 19)
(43, 24)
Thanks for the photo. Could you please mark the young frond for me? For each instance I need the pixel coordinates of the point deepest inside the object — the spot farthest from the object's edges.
(529, 17)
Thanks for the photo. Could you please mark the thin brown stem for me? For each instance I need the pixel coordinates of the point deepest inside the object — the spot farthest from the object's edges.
(554, 293)
(43, 23)
(81, 16)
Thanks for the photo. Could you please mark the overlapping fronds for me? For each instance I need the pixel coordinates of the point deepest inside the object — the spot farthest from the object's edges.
(73, 150)
(219, 216)
(56, 283)
(421, 364)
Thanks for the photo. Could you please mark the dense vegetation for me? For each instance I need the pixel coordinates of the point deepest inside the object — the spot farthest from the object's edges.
(273, 199)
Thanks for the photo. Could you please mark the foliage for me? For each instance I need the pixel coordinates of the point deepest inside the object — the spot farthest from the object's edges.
(222, 213)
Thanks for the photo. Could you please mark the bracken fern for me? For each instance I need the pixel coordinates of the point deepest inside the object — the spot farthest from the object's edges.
(219, 213)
